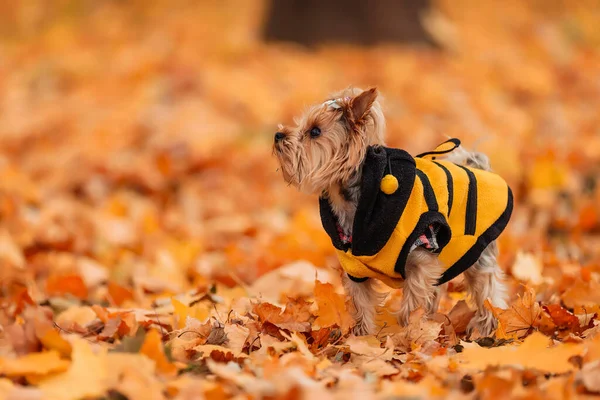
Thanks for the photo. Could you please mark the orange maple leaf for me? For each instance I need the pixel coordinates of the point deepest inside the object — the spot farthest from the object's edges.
(332, 308)
(521, 318)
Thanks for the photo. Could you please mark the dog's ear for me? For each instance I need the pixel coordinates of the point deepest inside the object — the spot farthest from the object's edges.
(361, 104)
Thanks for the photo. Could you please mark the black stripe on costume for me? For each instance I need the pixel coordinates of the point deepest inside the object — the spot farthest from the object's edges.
(471, 212)
(428, 192)
(355, 279)
(454, 141)
(428, 218)
(450, 183)
(487, 237)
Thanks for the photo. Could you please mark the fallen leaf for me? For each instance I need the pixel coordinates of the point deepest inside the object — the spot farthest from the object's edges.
(80, 316)
(294, 318)
(375, 366)
(216, 353)
(582, 294)
(533, 353)
(368, 346)
(118, 294)
(527, 268)
(300, 343)
(332, 308)
(133, 375)
(182, 312)
(520, 318)
(237, 336)
(86, 377)
(460, 316)
(154, 350)
(52, 340)
(59, 285)
(39, 364)
(419, 330)
(590, 375)
(562, 318)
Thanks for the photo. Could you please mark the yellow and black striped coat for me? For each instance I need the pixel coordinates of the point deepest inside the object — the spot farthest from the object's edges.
(471, 206)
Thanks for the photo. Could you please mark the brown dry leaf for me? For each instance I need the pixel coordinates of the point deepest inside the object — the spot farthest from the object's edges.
(374, 366)
(300, 344)
(154, 350)
(216, 353)
(249, 383)
(419, 330)
(86, 377)
(368, 346)
(533, 353)
(39, 364)
(294, 318)
(520, 319)
(460, 316)
(332, 308)
(237, 337)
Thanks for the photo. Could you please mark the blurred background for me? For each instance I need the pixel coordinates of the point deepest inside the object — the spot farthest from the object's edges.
(135, 135)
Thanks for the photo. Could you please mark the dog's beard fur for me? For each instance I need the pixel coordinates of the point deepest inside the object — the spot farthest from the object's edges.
(331, 162)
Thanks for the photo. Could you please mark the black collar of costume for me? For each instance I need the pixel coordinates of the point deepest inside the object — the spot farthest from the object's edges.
(377, 213)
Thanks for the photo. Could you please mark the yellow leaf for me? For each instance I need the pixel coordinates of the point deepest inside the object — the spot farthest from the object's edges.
(182, 312)
(52, 340)
(86, 377)
(133, 376)
(153, 349)
(43, 363)
(534, 353)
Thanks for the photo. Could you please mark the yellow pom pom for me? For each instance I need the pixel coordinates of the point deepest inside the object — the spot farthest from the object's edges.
(389, 184)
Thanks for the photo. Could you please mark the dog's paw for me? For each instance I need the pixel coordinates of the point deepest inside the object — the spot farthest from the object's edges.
(484, 322)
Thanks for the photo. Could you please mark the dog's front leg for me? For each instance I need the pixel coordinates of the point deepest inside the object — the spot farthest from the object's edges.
(365, 299)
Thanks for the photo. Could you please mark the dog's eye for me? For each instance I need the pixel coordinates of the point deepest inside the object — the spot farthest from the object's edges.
(315, 132)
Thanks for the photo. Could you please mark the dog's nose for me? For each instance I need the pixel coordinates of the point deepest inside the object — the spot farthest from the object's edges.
(279, 136)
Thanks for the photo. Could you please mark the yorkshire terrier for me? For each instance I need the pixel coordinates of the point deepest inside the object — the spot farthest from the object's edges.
(411, 222)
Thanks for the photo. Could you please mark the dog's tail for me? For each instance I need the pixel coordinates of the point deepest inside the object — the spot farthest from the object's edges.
(472, 159)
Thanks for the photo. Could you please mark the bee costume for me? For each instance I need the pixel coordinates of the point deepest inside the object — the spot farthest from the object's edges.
(402, 196)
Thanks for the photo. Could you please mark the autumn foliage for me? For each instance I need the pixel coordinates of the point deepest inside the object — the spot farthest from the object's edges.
(149, 248)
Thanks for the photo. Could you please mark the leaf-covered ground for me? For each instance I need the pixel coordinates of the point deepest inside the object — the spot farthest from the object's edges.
(149, 249)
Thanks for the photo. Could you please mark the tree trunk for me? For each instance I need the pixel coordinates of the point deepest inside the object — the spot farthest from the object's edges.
(310, 22)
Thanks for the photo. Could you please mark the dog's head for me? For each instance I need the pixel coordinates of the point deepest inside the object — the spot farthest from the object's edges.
(329, 142)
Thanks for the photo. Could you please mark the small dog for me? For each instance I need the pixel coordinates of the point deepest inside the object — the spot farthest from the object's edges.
(411, 222)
